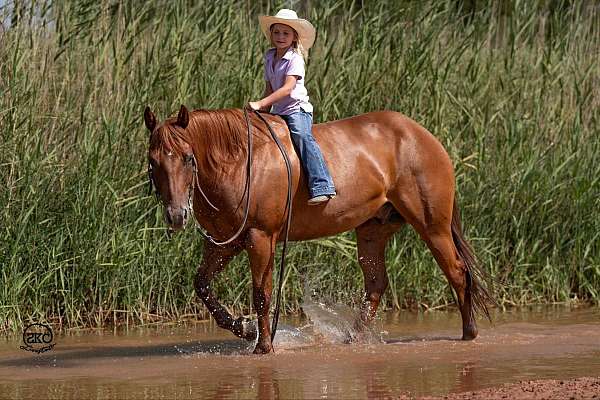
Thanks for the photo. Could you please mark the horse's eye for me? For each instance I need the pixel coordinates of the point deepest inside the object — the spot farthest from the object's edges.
(188, 158)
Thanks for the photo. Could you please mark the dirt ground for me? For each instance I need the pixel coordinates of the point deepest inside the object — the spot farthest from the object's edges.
(551, 389)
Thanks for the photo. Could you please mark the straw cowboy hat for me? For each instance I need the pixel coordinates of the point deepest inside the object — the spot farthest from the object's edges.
(306, 31)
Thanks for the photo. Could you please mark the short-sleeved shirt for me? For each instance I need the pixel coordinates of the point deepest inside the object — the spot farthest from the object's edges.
(291, 63)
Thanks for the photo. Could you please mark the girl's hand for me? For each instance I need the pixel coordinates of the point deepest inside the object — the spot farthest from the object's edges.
(255, 105)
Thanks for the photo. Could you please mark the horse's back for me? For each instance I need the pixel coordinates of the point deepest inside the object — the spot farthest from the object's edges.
(386, 138)
(374, 158)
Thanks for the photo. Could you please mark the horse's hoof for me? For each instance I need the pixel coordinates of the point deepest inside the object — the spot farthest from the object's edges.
(245, 329)
(263, 348)
(469, 333)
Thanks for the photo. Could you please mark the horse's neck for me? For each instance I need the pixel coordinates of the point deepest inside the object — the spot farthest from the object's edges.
(218, 169)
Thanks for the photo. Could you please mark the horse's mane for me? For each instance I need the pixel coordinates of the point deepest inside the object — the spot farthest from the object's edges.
(217, 136)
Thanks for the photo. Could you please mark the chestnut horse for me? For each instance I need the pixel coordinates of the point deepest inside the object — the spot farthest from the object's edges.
(388, 170)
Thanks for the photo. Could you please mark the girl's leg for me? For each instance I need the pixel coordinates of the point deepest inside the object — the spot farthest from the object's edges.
(318, 176)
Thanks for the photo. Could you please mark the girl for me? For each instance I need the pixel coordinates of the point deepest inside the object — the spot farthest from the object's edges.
(286, 96)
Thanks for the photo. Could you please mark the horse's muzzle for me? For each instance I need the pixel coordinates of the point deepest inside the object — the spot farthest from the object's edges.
(176, 217)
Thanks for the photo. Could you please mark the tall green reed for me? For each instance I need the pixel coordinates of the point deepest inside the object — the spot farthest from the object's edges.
(512, 93)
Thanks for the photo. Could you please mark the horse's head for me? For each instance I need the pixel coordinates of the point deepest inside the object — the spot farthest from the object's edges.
(172, 166)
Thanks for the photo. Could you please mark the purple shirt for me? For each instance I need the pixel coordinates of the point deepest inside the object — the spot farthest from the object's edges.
(291, 63)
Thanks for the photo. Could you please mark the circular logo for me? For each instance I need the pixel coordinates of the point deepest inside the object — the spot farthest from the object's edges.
(38, 338)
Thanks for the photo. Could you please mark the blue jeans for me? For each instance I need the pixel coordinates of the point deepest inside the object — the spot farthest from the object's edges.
(318, 176)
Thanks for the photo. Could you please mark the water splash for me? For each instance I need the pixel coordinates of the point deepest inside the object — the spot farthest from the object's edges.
(332, 323)
(328, 322)
(290, 337)
(335, 323)
(287, 337)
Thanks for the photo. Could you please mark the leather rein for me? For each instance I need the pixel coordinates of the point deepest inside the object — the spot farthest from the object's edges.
(288, 205)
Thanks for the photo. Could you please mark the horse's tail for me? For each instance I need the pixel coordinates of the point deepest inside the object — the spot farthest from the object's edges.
(475, 276)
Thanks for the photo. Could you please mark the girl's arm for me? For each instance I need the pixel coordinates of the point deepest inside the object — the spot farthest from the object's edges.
(275, 96)
(267, 92)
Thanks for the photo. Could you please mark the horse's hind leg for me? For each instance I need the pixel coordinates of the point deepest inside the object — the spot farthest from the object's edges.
(432, 218)
(442, 246)
(372, 237)
(214, 259)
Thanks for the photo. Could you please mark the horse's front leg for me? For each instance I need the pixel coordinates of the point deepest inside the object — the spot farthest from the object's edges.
(214, 259)
(261, 251)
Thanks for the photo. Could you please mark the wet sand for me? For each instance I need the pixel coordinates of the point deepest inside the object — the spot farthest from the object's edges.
(408, 356)
(578, 388)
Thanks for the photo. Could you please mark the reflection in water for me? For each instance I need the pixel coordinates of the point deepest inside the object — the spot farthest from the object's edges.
(376, 387)
(268, 386)
(466, 376)
(420, 355)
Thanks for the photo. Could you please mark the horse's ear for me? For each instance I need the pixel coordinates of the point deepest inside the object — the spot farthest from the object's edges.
(149, 119)
(183, 118)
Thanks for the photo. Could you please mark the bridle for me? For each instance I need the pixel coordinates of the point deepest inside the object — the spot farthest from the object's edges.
(195, 184)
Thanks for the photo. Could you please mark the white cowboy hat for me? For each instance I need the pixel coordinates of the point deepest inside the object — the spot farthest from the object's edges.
(306, 31)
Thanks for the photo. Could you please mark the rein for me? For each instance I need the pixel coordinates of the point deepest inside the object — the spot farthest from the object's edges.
(288, 205)
(288, 208)
(246, 194)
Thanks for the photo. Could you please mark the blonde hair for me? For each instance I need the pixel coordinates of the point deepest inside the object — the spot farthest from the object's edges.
(296, 44)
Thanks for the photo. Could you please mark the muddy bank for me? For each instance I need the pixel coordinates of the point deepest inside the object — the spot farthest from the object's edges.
(569, 389)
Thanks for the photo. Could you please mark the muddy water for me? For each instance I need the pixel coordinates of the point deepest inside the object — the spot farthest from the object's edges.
(406, 354)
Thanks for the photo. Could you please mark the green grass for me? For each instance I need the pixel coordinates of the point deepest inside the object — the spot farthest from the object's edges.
(512, 92)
